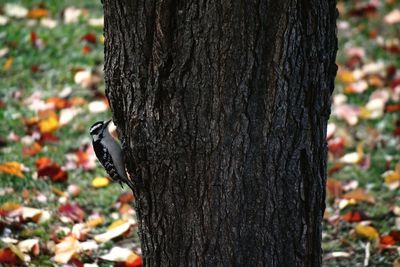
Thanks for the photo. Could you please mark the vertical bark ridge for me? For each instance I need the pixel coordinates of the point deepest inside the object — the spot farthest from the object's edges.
(222, 109)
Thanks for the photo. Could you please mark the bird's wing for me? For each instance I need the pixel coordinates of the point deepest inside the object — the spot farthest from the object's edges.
(105, 159)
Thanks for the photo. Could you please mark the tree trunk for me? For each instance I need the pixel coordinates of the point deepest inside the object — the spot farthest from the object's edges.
(222, 108)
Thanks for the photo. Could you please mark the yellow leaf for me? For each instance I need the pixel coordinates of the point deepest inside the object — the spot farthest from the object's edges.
(49, 125)
(99, 182)
(12, 167)
(115, 224)
(367, 231)
(346, 77)
(95, 222)
(114, 232)
(7, 65)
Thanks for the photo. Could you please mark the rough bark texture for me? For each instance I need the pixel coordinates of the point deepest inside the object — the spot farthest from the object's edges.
(222, 108)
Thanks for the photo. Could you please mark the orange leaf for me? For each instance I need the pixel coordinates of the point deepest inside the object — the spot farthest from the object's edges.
(7, 65)
(59, 102)
(43, 161)
(32, 150)
(37, 13)
(133, 260)
(387, 240)
(359, 194)
(8, 207)
(12, 167)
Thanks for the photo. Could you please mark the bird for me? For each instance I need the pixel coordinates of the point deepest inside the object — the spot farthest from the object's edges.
(109, 152)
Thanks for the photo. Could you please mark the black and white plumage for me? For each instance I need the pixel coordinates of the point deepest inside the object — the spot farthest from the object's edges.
(109, 152)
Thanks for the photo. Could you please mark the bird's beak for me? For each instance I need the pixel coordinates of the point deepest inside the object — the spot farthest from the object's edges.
(107, 122)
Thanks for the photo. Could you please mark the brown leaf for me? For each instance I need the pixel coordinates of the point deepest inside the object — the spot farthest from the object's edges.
(359, 194)
(333, 188)
(31, 150)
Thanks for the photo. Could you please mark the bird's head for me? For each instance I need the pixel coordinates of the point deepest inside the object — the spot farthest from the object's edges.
(98, 128)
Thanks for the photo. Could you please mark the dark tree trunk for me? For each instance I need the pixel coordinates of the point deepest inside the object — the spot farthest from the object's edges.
(222, 109)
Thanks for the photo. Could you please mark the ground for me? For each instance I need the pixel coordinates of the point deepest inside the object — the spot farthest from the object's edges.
(55, 203)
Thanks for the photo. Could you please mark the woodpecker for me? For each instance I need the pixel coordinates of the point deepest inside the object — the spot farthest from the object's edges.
(109, 152)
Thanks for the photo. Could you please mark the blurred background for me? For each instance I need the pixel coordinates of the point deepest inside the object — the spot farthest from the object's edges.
(58, 209)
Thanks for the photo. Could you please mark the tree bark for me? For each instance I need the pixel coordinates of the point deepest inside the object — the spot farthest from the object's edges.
(222, 108)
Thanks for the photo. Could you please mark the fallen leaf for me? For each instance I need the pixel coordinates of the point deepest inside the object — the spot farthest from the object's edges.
(99, 182)
(66, 249)
(89, 37)
(37, 13)
(12, 167)
(8, 207)
(31, 150)
(7, 65)
(8, 258)
(354, 216)
(387, 240)
(72, 211)
(71, 15)
(133, 260)
(127, 197)
(393, 17)
(366, 231)
(112, 233)
(95, 222)
(35, 215)
(97, 106)
(14, 10)
(333, 187)
(49, 125)
(117, 254)
(29, 246)
(359, 194)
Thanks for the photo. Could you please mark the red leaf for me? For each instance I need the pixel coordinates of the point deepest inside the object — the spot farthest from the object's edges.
(387, 240)
(7, 257)
(34, 38)
(395, 234)
(392, 108)
(47, 168)
(365, 10)
(336, 146)
(35, 68)
(48, 137)
(89, 37)
(354, 216)
(135, 263)
(72, 211)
